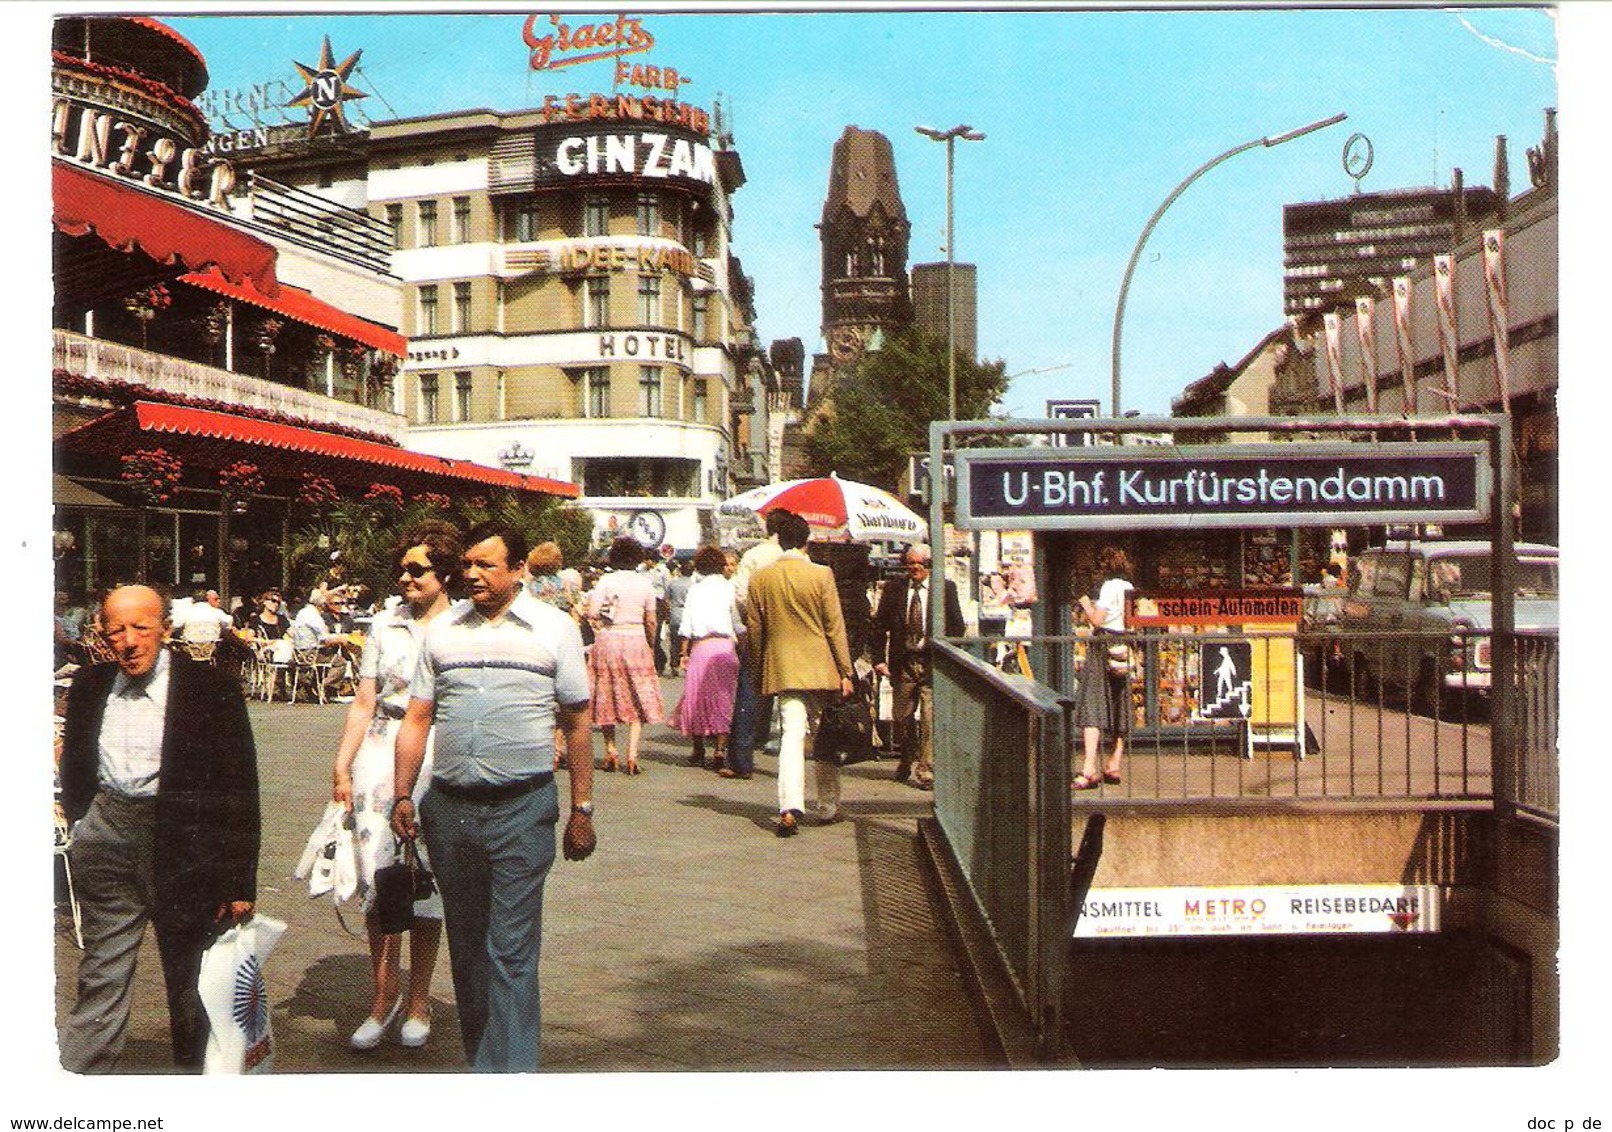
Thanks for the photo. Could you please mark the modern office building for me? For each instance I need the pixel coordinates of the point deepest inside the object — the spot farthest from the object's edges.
(929, 304)
(1336, 250)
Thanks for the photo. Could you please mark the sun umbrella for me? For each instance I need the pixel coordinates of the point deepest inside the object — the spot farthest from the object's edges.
(838, 510)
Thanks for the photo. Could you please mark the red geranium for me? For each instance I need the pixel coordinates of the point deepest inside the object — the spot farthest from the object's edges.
(153, 473)
(317, 491)
(240, 479)
(384, 493)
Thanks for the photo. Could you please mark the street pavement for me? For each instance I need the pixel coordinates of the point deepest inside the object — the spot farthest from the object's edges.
(692, 940)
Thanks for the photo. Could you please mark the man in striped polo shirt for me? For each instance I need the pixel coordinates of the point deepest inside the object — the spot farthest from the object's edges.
(495, 676)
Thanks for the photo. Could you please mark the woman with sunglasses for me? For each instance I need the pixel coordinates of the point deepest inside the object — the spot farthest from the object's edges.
(268, 622)
(427, 566)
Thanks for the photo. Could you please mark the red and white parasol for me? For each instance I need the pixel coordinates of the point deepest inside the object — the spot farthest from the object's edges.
(838, 510)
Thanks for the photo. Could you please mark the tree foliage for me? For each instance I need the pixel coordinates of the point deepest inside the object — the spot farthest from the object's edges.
(367, 531)
(880, 411)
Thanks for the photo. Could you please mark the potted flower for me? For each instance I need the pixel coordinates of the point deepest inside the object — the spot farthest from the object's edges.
(145, 303)
(316, 493)
(214, 322)
(239, 482)
(153, 473)
(267, 332)
(383, 368)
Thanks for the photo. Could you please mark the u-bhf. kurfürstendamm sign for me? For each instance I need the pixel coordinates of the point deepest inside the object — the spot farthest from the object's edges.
(1265, 485)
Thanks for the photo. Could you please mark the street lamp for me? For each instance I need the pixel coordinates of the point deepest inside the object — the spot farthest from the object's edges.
(967, 133)
(1125, 285)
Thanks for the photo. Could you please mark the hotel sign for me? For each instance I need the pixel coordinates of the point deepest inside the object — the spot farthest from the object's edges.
(1267, 485)
(645, 348)
(1327, 909)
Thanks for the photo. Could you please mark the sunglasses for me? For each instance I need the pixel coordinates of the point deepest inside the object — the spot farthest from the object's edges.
(416, 569)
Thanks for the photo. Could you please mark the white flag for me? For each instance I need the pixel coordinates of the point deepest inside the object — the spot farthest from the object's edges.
(1494, 278)
(1365, 311)
(1334, 347)
(1402, 342)
(1449, 338)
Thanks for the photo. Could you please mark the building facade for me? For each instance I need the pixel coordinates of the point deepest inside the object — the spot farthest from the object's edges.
(1335, 250)
(220, 341)
(929, 304)
(572, 303)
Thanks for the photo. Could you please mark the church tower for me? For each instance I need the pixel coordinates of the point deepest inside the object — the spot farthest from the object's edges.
(864, 236)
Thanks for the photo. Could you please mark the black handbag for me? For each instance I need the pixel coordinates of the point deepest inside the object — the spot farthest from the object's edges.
(397, 887)
(845, 731)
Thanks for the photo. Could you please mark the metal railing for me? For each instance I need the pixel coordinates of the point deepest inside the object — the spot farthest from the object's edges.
(1003, 806)
(1346, 716)
(1535, 772)
(113, 361)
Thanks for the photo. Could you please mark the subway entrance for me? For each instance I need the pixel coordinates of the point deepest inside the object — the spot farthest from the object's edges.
(1297, 1002)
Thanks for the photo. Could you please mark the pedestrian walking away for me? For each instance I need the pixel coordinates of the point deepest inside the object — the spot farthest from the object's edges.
(752, 712)
(707, 654)
(621, 663)
(796, 635)
(159, 777)
(494, 676)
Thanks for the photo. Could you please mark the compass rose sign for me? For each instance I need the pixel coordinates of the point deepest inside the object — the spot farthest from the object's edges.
(327, 90)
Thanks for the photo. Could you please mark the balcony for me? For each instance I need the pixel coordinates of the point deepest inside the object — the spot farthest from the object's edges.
(112, 361)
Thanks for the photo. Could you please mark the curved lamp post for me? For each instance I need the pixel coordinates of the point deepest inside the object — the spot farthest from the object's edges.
(967, 133)
(1130, 268)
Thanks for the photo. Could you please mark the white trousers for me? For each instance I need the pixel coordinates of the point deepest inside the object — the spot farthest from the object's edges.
(798, 713)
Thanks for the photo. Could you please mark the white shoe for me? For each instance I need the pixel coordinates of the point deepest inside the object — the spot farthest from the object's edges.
(372, 1030)
(414, 1032)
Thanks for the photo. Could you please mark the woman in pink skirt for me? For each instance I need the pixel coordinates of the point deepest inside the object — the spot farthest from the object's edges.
(626, 689)
(712, 665)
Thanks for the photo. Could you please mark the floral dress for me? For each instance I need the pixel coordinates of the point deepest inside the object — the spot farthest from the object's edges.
(390, 652)
(622, 667)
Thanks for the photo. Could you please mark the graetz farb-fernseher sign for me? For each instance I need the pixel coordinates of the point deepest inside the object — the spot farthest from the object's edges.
(1268, 485)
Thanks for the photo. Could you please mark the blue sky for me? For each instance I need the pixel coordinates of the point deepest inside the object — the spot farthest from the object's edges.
(1091, 118)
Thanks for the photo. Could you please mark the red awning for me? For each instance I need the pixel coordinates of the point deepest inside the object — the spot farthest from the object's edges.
(127, 217)
(214, 439)
(295, 303)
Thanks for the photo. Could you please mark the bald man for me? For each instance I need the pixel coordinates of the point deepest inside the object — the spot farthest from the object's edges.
(159, 775)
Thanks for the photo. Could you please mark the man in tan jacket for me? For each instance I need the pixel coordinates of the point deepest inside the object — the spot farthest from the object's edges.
(796, 634)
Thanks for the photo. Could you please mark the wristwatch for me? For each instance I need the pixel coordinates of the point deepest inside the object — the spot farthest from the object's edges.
(583, 808)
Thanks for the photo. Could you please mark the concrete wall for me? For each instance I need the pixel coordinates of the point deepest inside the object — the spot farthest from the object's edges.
(1179, 846)
(1484, 991)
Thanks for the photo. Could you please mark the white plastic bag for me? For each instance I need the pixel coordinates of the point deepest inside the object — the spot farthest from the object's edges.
(329, 861)
(237, 999)
(319, 841)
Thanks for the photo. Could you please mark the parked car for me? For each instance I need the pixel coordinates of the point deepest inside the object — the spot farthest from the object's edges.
(1426, 607)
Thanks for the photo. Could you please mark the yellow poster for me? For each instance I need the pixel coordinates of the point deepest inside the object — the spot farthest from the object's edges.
(1275, 698)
